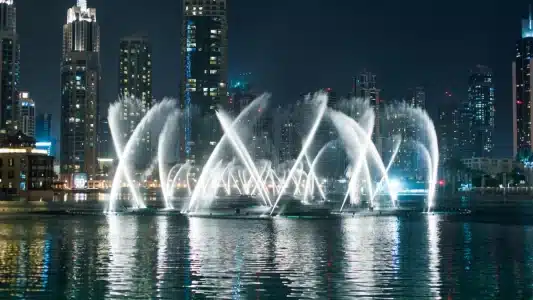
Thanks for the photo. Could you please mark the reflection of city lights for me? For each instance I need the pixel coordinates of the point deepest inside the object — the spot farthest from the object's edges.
(433, 240)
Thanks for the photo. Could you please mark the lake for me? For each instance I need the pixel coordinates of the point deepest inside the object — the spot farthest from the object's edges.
(175, 257)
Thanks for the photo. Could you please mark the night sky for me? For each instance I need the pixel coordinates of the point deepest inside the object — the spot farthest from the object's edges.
(293, 47)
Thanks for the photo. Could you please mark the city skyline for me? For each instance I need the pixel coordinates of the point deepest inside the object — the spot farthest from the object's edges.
(272, 71)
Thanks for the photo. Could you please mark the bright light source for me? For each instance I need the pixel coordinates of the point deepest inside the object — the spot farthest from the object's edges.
(43, 144)
(395, 184)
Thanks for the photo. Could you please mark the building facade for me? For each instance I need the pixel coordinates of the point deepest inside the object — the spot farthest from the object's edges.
(23, 168)
(43, 127)
(364, 86)
(491, 166)
(80, 83)
(480, 110)
(449, 129)
(204, 81)
(105, 143)
(10, 71)
(135, 82)
(522, 90)
(26, 114)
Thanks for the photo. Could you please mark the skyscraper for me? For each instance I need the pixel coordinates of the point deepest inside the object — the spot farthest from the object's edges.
(26, 114)
(204, 74)
(43, 133)
(522, 87)
(364, 86)
(135, 81)
(43, 127)
(10, 71)
(416, 97)
(481, 110)
(241, 94)
(449, 128)
(80, 80)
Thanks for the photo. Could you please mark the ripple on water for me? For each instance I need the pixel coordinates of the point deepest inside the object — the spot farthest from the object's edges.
(171, 257)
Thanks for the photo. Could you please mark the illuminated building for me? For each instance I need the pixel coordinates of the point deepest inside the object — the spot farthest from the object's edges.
(285, 137)
(80, 81)
(408, 160)
(26, 114)
(480, 109)
(241, 94)
(43, 127)
(491, 166)
(135, 81)
(204, 71)
(105, 145)
(10, 71)
(25, 169)
(416, 97)
(46, 146)
(522, 87)
(449, 128)
(364, 86)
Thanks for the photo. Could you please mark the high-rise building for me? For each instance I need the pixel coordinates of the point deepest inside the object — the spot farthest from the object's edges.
(364, 86)
(80, 81)
(43, 127)
(10, 71)
(522, 87)
(416, 97)
(449, 128)
(204, 74)
(26, 111)
(241, 93)
(43, 133)
(481, 110)
(105, 144)
(284, 135)
(135, 81)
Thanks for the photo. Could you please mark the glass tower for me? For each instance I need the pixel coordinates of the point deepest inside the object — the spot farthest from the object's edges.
(80, 81)
(10, 71)
(522, 86)
(481, 112)
(204, 75)
(135, 81)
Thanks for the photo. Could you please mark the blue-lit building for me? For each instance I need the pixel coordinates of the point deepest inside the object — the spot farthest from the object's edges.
(204, 74)
(480, 111)
(43, 127)
(46, 146)
(241, 93)
(522, 89)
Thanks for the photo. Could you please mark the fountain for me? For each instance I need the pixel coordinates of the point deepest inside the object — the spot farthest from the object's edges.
(231, 173)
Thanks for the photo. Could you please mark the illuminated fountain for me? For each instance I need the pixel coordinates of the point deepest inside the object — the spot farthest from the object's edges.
(126, 149)
(230, 171)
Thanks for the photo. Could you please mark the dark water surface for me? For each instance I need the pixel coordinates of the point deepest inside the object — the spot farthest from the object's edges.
(172, 257)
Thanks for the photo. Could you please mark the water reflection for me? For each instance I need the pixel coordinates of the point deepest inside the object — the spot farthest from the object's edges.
(172, 257)
(299, 249)
(162, 260)
(433, 252)
(122, 240)
(226, 253)
(23, 259)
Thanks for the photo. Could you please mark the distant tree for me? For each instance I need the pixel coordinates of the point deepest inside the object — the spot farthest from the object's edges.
(455, 171)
